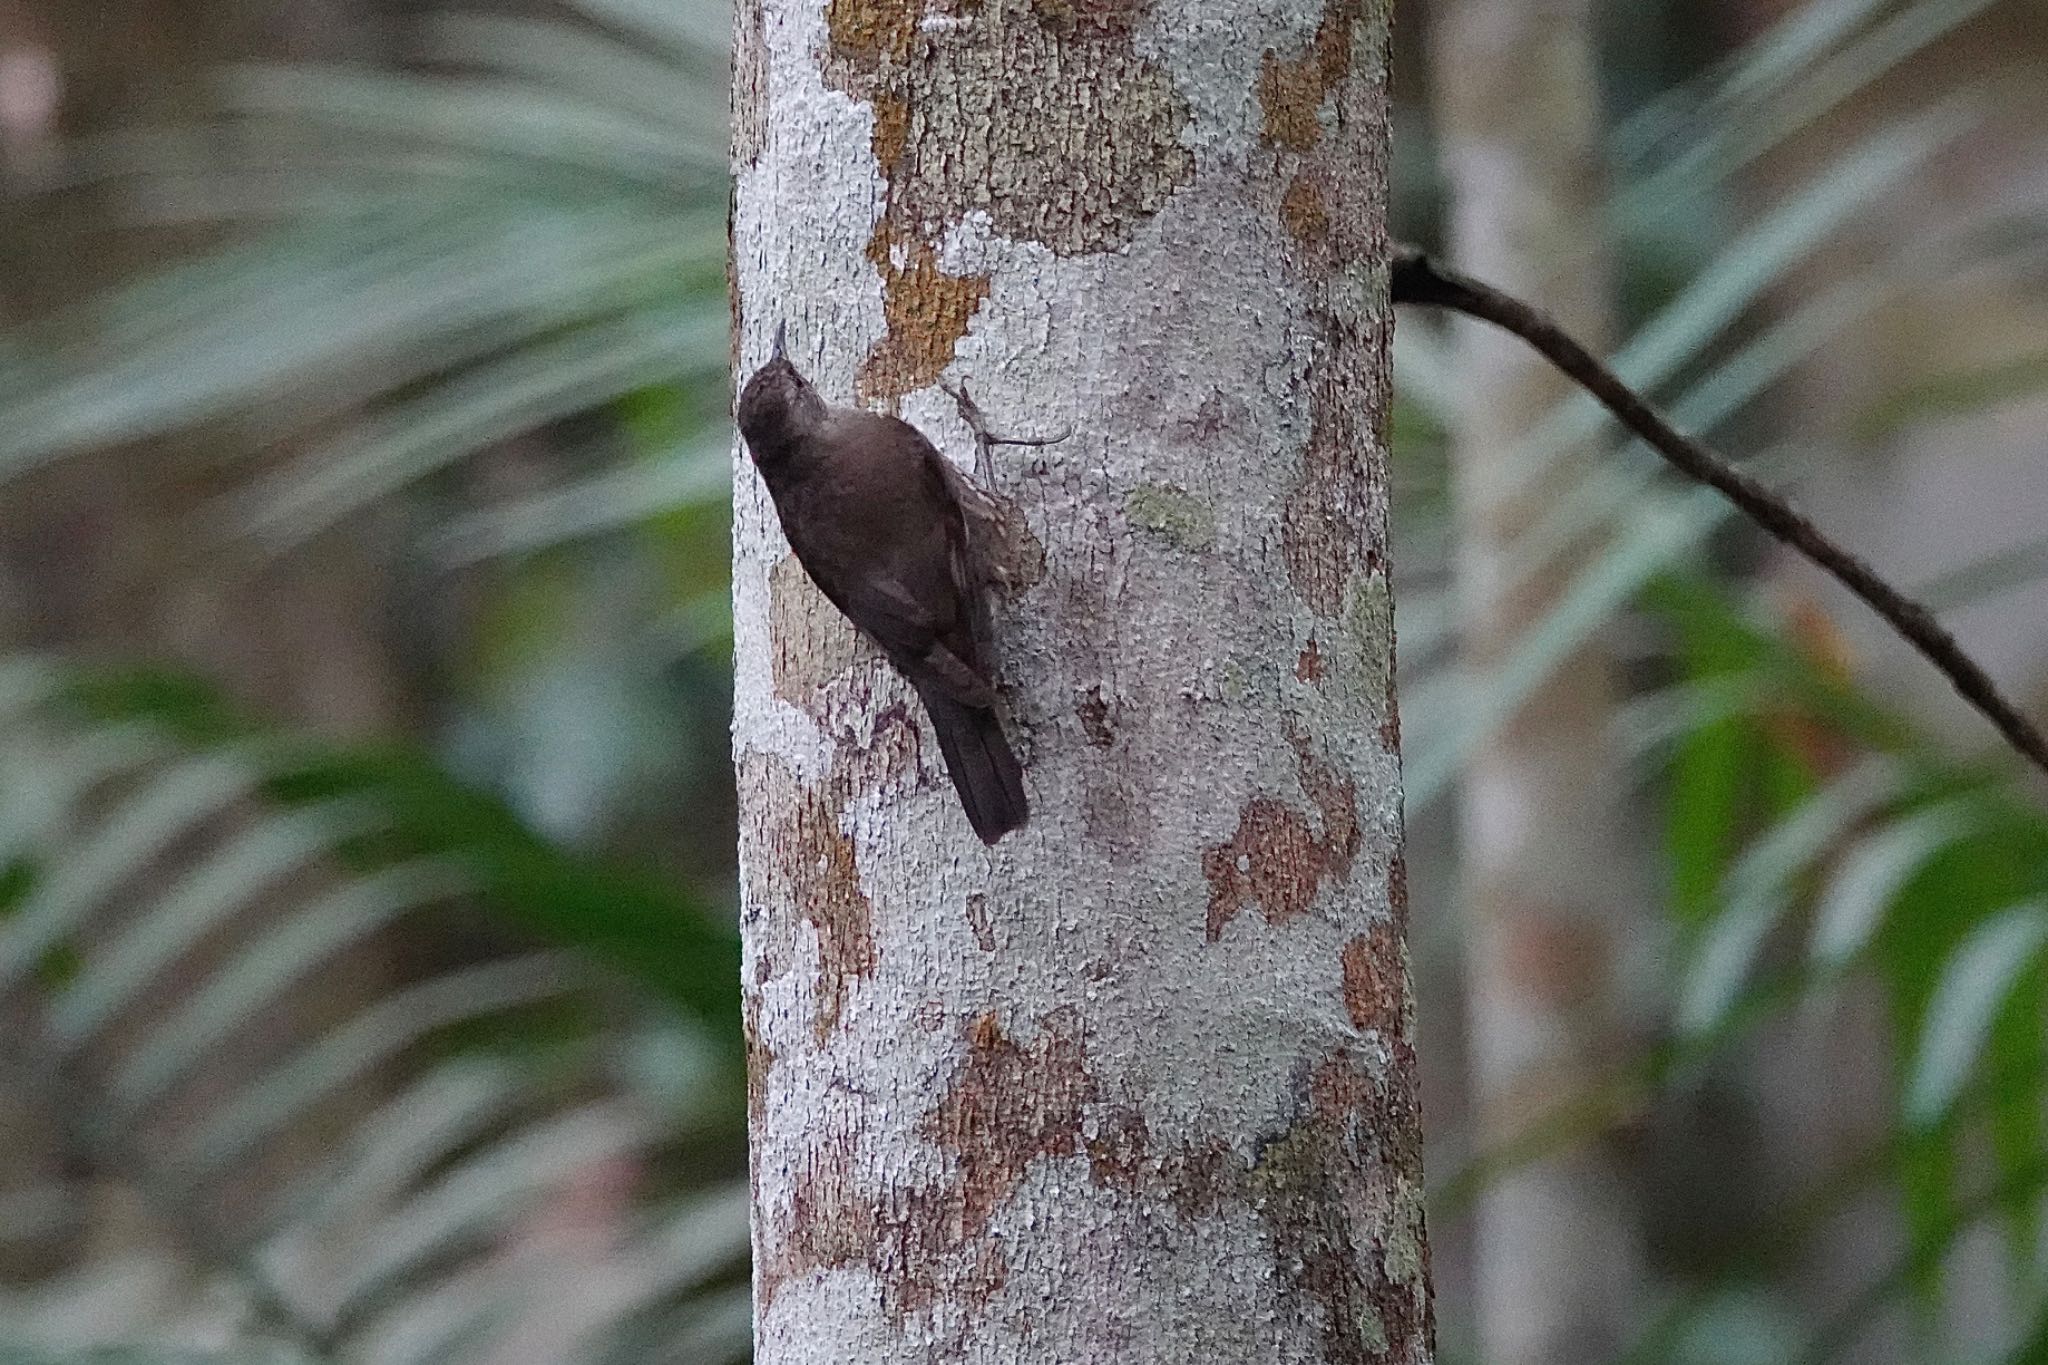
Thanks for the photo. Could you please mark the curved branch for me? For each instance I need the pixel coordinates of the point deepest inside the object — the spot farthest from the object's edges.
(1418, 280)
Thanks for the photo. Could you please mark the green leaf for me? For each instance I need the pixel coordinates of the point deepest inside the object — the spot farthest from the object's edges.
(1873, 872)
(164, 810)
(201, 902)
(1975, 983)
(636, 921)
(1758, 889)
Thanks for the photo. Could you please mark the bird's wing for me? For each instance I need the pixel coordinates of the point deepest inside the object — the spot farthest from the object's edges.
(971, 523)
(904, 573)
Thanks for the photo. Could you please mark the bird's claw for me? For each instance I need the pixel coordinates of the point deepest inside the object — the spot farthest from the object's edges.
(985, 441)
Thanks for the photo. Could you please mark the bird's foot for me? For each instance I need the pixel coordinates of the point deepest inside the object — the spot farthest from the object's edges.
(985, 441)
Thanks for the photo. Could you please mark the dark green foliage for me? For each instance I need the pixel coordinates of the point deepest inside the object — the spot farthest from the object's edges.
(649, 926)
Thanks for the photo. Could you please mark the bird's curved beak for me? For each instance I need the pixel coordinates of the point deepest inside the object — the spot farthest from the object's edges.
(781, 341)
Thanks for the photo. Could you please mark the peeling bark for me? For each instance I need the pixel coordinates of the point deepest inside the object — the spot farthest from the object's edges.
(1064, 1100)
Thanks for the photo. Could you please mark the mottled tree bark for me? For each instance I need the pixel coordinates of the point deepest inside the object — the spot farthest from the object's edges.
(1137, 1085)
(1544, 871)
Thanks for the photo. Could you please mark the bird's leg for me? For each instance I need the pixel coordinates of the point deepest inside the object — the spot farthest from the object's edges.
(1008, 555)
(985, 441)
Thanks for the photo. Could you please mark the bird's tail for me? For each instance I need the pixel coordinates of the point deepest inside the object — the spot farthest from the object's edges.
(984, 771)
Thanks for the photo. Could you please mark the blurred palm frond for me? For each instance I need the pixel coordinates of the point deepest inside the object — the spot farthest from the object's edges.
(423, 1159)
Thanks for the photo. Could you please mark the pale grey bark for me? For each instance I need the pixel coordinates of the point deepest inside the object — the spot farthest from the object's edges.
(1545, 876)
(1137, 1085)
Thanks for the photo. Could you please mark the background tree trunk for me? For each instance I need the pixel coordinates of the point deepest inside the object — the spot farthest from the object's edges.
(1545, 877)
(1137, 1085)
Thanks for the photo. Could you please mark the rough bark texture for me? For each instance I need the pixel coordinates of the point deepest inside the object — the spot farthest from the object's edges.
(1544, 872)
(1138, 1084)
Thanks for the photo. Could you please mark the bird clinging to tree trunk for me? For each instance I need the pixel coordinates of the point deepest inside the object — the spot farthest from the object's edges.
(893, 535)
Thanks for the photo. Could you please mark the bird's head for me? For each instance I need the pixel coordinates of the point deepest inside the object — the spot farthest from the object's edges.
(778, 408)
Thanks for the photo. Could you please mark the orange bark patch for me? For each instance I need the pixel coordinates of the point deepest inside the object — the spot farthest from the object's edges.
(891, 137)
(825, 881)
(873, 33)
(1008, 1106)
(1292, 90)
(1327, 525)
(1275, 860)
(1317, 112)
(981, 922)
(1118, 17)
(1374, 984)
(1336, 799)
(823, 1228)
(927, 312)
(1305, 212)
(1309, 667)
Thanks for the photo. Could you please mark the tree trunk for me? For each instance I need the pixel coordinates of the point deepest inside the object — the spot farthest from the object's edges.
(1544, 869)
(1137, 1084)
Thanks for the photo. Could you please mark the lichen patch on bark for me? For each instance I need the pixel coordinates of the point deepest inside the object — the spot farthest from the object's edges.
(1038, 114)
(1174, 515)
(1275, 859)
(1345, 1166)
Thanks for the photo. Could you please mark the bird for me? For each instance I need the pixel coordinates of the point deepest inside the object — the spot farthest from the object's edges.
(897, 539)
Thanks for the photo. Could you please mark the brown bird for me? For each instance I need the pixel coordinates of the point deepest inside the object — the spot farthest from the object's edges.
(893, 535)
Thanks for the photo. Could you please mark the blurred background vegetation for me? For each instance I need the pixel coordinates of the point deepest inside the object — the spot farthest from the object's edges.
(367, 954)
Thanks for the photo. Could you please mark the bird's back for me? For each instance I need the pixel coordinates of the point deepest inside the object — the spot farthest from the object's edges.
(872, 517)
